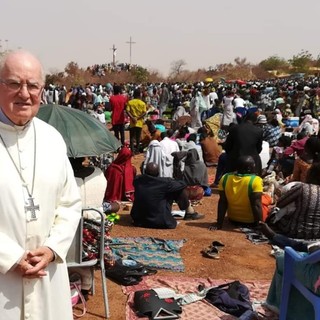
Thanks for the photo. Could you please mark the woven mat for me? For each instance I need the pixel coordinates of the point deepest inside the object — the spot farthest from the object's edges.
(200, 310)
(152, 252)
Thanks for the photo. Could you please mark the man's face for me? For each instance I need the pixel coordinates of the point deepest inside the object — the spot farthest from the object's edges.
(20, 88)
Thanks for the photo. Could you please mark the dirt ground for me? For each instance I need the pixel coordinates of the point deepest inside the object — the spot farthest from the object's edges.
(240, 259)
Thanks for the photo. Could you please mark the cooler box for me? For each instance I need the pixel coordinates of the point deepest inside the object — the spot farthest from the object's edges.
(291, 122)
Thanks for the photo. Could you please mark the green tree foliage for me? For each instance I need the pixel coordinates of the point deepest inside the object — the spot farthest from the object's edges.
(140, 74)
(274, 63)
(302, 61)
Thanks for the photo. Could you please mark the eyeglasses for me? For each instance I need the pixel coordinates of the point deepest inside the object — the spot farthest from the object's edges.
(15, 86)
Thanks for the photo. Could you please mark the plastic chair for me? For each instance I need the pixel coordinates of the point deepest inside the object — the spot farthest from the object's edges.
(291, 257)
(74, 257)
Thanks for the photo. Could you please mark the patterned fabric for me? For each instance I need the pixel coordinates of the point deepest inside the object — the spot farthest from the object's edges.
(201, 309)
(91, 236)
(271, 134)
(303, 221)
(152, 252)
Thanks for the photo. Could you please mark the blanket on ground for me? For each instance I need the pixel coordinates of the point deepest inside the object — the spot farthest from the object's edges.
(200, 310)
(152, 252)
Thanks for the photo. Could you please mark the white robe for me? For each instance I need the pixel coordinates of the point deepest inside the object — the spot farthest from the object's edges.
(56, 192)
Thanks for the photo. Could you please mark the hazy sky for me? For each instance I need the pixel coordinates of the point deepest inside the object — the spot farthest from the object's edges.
(203, 33)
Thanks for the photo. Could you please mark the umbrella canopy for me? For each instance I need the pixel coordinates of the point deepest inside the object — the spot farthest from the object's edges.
(208, 80)
(83, 134)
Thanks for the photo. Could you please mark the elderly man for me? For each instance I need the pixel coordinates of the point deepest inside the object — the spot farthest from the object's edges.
(240, 195)
(40, 204)
(153, 200)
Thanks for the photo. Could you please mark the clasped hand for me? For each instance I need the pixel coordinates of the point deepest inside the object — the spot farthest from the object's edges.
(34, 263)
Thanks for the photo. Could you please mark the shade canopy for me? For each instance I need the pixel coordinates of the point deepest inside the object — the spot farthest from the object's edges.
(83, 134)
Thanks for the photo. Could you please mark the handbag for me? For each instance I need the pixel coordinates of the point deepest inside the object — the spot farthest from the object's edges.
(76, 294)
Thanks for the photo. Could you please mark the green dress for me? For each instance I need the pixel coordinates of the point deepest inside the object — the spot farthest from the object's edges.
(299, 308)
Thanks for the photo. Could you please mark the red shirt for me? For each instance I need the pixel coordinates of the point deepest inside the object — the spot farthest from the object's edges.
(117, 103)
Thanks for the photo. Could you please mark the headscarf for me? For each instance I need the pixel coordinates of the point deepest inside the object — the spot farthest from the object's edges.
(156, 154)
(181, 111)
(195, 171)
(120, 175)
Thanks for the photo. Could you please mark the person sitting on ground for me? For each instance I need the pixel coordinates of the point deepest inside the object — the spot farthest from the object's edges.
(169, 146)
(190, 143)
(240, 195)
(120, 175)
(156, 154)
(154, 197)
(210, 148)
(303, 163)
(297, 213)
(294, 150)
(149, 132)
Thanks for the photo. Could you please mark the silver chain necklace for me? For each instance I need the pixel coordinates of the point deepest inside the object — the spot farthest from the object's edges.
(30, 207)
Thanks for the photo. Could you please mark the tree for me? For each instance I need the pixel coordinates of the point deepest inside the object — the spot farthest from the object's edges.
(140, 74)
(302, 61)
(273, 63)
(72, 69)
(177, 67)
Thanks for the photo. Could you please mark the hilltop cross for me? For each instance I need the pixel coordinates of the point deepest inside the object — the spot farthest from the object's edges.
(131, 43)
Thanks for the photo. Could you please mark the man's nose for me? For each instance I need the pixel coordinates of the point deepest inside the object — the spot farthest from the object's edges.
(23, 91)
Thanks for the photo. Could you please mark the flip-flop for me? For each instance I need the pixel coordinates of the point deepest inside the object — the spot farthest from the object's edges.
(211, 252)
(217, 244)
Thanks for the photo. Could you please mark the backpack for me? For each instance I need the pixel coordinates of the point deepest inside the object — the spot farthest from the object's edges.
(232, 298)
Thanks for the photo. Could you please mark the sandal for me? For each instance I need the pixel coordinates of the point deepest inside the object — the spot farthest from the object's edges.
(217, 244)
(211, 252)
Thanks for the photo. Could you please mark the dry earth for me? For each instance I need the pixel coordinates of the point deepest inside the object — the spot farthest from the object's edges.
(240, 259)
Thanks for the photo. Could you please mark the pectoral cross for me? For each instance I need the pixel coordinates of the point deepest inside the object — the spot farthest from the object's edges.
(31, 207)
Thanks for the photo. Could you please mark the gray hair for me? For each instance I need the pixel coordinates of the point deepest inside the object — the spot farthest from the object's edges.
(4, 57)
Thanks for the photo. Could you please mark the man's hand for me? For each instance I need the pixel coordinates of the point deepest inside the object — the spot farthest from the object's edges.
(39, 259)
(23, 265)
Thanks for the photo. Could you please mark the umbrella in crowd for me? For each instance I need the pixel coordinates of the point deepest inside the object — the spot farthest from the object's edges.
(83, 134)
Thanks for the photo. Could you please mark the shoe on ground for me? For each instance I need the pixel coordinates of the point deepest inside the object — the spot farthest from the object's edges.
(211, 252)
(193, 216)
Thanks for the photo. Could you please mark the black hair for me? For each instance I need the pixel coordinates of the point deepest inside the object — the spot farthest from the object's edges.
(245, 165)
(313, 174)
(137, 93)
(312, 147)
(116, 90)
(192, 137)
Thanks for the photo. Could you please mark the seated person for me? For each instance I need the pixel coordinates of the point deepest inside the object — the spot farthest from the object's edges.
(149, 132)
(156, 154)
(153, 200)
(120, 175)
(92, 185)
(298, 213)
(210, 148)
(240, 195)
(302, 164)
(307, 273)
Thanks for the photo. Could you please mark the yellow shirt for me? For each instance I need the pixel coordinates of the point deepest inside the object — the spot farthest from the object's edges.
(237, 188)
(136, 107)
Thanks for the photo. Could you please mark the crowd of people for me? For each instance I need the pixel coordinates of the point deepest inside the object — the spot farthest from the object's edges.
(262, 137)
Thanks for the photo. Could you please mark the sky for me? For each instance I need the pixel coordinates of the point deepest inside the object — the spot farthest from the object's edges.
(203, 33)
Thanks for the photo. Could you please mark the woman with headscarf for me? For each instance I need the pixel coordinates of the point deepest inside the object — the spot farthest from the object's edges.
(120, 175)
(309, 125)
(195, 171)
(156, 154)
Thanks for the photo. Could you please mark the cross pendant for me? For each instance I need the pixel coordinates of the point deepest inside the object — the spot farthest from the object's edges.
(31, 207)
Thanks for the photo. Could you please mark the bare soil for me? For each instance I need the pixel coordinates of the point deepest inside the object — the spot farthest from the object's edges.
(240, 259)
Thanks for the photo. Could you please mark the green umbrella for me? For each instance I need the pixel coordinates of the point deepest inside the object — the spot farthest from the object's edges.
(83, 134)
